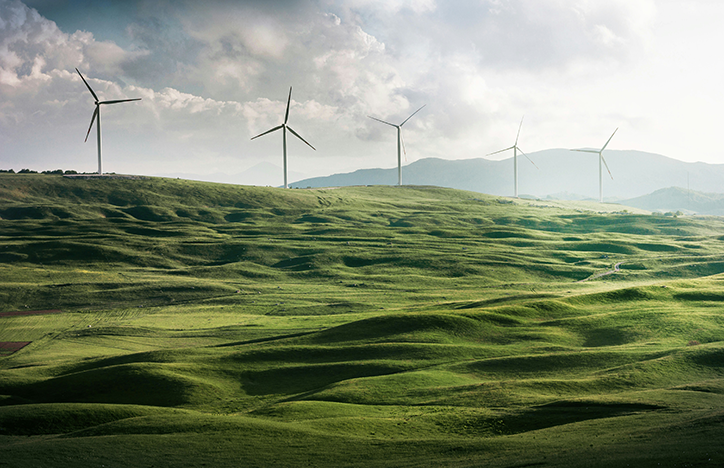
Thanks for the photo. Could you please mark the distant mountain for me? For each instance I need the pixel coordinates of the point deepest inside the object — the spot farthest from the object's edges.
(566, 174)
(675, 199)
(262, 174)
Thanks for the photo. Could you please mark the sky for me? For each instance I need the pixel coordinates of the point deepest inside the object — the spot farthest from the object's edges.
(213, 74)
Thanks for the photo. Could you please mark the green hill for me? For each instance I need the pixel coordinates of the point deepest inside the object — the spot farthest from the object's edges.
(363, 326)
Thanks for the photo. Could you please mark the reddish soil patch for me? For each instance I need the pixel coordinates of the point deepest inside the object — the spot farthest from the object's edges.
(30, 312)
(9, 347)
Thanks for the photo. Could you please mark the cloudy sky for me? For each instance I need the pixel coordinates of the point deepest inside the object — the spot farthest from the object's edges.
(213, 74)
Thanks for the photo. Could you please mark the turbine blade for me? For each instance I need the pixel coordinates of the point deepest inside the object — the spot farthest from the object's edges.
(519, 127)
(606, 164)
(404, 151)
(609, 140)
(87, 85)
(268, 131)
(500, 151)
(375, 118)
(119, 100)
(418, 110)
(586, 151)
(93, 119)
(289, 101)
(297, 135)
(526, 156)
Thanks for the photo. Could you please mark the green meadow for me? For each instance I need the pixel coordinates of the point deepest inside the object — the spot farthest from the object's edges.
(206, 324)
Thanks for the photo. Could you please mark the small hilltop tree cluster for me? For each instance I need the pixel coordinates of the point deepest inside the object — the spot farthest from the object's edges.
(30, 171)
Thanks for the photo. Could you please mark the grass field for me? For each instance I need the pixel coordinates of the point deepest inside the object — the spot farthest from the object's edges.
(217, 325)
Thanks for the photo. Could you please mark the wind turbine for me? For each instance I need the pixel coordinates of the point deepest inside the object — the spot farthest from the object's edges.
(97, 117)
(600, 169)
(400, 142)
(515, 157)
(284, 128)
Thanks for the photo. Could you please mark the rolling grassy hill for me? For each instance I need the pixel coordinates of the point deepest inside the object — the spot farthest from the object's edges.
(363, 326)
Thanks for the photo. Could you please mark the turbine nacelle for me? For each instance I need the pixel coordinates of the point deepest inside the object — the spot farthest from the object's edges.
(400, 141)
(601, 159)
(96, 117)
(515, 149)
(600, 152)
(284, 127)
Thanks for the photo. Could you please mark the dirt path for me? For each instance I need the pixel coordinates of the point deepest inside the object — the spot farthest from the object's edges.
(616, 268)
(9, 347)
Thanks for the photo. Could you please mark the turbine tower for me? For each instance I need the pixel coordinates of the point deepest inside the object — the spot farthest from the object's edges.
(284, 128)
(601, 161)
(97, 118)
(400, 142)
(515, 157)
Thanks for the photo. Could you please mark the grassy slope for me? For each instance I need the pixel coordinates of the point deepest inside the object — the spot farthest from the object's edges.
(363, 326)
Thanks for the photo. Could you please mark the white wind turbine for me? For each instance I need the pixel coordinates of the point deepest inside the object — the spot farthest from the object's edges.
(284, 128)
(515, 157)
(400, 142)
(97, 117)
(601, 161)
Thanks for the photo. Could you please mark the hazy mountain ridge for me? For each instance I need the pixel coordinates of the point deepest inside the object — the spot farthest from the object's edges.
(673, 199)
(635, 174)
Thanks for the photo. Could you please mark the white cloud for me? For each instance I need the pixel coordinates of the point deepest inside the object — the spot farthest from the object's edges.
(46, 108)
(394, 6)
(31, 45)
(212, 74)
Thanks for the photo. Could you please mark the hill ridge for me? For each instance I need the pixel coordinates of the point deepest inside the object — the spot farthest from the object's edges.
(635, 173)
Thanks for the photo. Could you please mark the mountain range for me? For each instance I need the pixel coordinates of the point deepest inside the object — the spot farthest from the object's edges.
(642, 180)
(675, 199)
(558, 173)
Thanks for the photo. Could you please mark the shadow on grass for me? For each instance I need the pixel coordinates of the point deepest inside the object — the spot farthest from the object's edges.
(298, 379)
(556, 414)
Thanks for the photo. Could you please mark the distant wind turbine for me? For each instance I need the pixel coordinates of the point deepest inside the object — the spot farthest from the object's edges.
(284, 128)
(97, 117)
(600, 161)
(400, 142)
(515, 157)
